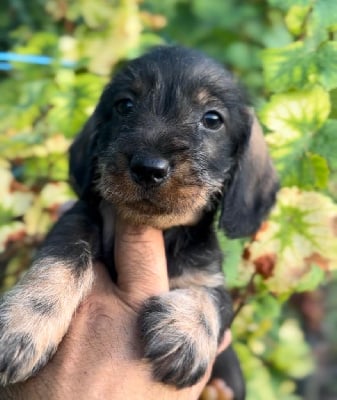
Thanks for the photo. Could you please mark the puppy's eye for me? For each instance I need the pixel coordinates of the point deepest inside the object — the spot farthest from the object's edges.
(212, 120)
(124, 106)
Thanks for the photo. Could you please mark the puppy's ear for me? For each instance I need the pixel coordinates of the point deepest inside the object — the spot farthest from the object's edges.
(82, 153)
(252, 191)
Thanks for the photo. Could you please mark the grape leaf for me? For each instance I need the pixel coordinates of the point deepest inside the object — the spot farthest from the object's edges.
(301, 233)
(295, 18)
(324, 15)
(289, 67)
(311, 280)
(74, 101)
(326, 59)
(286, 4)
(311, 171)
(325, 142)
(333, 101)
(294, 118)
(232, 250)
(291, 344)
(294, 112)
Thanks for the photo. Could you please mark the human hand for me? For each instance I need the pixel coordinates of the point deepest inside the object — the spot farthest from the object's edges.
(100, 357)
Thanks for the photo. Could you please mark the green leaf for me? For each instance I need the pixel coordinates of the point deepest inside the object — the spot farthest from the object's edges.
(294, 118)
(6, 215)
(232, 250)
(292, 346)
(312, 279)
(289, 67)
(286, 4)
(293, 221)
(263, 382)
(295, 19)
(300, 64)
(326, 60)
(74, 101)
(310, 172)
(213, 13)
(51, 166)
(55, 194)
(300, 111)
(324, 15)
(333, 101)
(259, 381)
(31, 99)
(45, 43)
(325, 143)
(300, 233)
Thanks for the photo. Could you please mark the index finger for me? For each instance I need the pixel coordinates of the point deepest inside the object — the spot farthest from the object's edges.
(140, 261)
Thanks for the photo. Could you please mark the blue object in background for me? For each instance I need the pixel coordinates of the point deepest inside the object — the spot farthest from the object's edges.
(6, 58)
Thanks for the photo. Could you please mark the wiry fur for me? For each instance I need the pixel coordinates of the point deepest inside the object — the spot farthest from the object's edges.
(196, 173)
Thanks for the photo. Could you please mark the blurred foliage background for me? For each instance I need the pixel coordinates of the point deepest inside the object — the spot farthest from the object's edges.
(285, 54)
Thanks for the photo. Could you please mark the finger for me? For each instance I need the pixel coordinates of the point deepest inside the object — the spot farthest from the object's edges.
(140, 261)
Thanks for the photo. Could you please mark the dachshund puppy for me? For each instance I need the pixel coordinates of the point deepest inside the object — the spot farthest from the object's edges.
(173, 145)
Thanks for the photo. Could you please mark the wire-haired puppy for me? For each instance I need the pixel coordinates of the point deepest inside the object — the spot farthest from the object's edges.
(173, 145)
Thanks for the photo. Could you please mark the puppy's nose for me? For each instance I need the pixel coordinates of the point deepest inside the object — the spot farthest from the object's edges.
(148, 170)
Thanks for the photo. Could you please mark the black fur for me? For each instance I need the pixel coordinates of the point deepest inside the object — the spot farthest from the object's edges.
(171, 143)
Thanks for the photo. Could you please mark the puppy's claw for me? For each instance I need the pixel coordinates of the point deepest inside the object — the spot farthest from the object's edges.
(178, 339)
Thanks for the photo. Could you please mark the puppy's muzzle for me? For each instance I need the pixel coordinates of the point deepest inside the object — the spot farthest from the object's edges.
(149, 171)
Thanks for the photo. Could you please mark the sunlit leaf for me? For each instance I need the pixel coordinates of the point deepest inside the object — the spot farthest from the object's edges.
(50, 166)
(74, 101)
(314, 277)
(333, 101)
(259, 380)
(311, 171)
(121, 35)
(292, 345)
(325, 142)
(55, 194)
(286, 4)
(37, 220)
(301, 233)
(262, 382)
(297, 112)
(232, 250)
(294, 118)
(324, 15)
(326, 59)
(41, 43)
(295, 18)
(289, 67)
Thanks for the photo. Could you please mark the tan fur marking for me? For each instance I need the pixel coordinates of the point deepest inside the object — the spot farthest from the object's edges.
(197, 278)
(179, 201)
(203, 96)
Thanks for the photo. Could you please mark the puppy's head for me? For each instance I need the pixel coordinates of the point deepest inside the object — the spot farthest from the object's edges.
(170, 137)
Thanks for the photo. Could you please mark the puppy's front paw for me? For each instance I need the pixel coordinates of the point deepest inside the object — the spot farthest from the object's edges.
(27, 341)
(179, 332)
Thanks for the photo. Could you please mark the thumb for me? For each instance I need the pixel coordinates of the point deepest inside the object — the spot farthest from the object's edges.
(140, 261)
